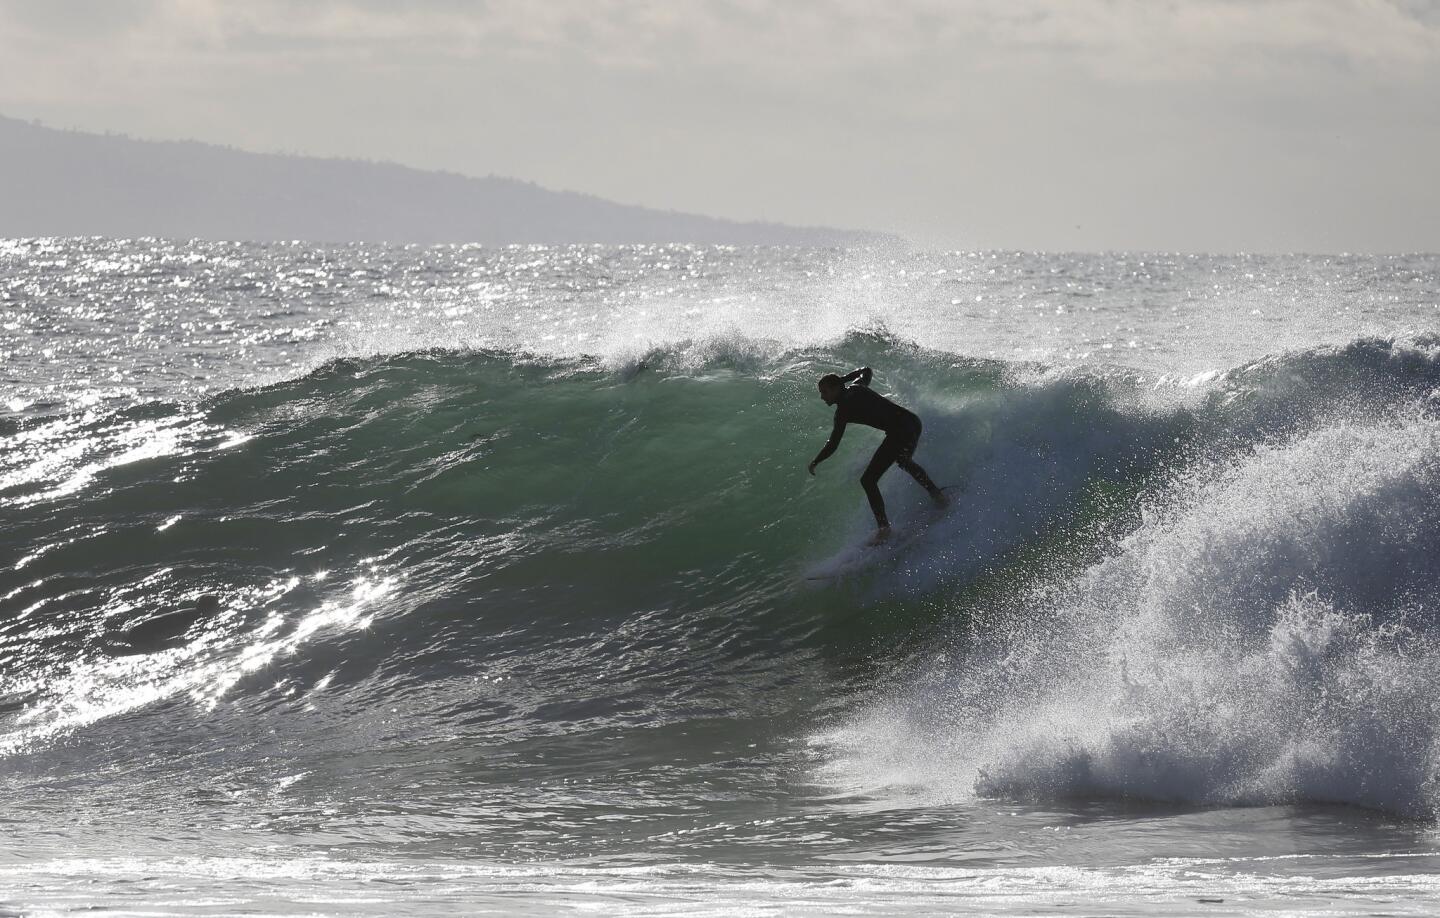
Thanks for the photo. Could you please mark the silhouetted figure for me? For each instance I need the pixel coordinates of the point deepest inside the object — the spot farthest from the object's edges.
(167, 631)
(861, 405)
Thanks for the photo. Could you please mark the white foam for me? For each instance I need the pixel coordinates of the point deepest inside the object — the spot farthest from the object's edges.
(1266, 636)
(292, 882)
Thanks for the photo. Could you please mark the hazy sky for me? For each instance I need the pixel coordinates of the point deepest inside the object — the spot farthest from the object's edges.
(1260, 125)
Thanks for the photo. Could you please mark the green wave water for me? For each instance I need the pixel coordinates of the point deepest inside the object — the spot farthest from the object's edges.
(526, 506)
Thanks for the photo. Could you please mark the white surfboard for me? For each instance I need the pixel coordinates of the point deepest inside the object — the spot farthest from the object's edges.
(857, 559)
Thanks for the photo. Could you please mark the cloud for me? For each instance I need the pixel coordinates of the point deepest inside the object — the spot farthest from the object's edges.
(1109, 39)
(76, 18)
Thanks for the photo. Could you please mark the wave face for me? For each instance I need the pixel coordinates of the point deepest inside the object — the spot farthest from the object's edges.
(612, 533)
(525, 601)
(628, 546)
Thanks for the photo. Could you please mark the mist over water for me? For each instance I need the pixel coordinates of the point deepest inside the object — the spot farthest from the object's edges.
(510, 550)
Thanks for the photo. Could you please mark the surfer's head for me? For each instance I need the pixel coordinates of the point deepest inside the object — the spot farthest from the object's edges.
(830, 387)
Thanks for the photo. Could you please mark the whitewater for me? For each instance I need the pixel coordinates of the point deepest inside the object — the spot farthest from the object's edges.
(507, 551)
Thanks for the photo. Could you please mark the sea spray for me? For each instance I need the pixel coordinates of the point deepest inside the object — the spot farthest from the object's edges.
(1267, 635)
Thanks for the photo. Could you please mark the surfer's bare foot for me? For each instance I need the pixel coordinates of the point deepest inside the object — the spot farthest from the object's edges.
(880, 535)
(941, 499)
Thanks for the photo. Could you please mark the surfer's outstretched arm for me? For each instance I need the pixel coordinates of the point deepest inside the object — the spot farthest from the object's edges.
(860, 377)
(828, 449)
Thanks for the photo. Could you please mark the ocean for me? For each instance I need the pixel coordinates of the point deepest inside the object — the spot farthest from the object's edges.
(368, 580)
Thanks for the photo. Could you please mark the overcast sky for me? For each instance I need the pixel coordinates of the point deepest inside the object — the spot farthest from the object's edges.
(1215, 125)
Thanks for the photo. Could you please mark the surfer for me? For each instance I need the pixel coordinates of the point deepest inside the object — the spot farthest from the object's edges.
(862, 405)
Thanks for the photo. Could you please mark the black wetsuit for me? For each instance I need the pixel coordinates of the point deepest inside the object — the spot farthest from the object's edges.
(859, 404)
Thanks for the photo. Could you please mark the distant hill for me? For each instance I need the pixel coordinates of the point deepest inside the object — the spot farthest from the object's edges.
(69, 183)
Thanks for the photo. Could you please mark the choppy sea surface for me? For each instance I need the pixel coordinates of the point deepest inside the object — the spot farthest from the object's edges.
(508, 556)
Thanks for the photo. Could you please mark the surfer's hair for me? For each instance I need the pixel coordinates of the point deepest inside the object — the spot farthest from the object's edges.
(830, 379)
